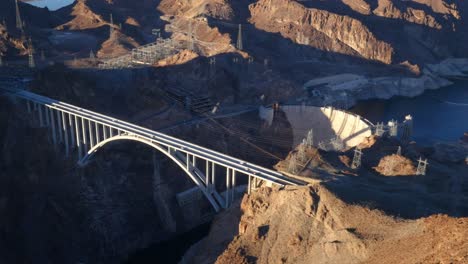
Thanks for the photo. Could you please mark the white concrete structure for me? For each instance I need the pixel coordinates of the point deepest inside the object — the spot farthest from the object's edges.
(327, 122)
(74, 128)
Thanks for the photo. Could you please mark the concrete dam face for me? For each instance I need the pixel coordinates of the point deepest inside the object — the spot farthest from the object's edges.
(327, 123)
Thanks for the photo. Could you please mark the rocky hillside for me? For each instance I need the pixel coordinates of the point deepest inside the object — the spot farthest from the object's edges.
(310, 224)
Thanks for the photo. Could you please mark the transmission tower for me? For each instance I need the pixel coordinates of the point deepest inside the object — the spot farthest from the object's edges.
(212, 66)
(301, 152)
(111, 24)
(322, 145)
(239, 38)
(407, 128)
(32, 64)
(422, 165)
(310, 138)
(337, 143)
(19, 24)
(292, 166)
(393, 128)
(357, 158)
(379, 129)
(91, 55)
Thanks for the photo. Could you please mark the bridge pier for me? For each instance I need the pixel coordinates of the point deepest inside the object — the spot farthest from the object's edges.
(59, 126)
(78, 139)
(47, 116)
(41, 121)
(65, 134)
(52, 124)
(91, 134)
(83, 129)
(226, 194)
(72, 130)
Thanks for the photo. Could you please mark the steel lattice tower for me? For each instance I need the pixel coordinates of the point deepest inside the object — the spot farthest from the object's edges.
(239, 38)
(111, 24)
(19, 23)
(357, 159)
(32, 64)
(422, 165)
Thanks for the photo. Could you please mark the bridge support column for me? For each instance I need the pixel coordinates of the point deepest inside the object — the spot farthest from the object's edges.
(78, 139)
(207, 176)
(91, 133)
(83, 129)
(59, 126)
(72, 130)
(188, 160)
(65, 133)
(98, 136)
(104, 132)
(249, 185)
(233, 185)
(213, 178)
(41, 120)
(47, 115)
(52, 124)
(228, 188)
(28, 106)
(111, 132)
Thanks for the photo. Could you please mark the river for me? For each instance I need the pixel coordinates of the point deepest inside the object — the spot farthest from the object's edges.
(439, 115)
(51, 4)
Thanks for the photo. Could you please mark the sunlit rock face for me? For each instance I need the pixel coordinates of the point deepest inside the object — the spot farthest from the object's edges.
(324, 30)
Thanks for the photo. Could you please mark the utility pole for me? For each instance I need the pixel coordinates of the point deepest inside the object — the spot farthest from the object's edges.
(19, 24)
(422, 166)
(357, 158)
(239, 38)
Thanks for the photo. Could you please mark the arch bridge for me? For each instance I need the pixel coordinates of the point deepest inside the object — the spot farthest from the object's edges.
(85, 132)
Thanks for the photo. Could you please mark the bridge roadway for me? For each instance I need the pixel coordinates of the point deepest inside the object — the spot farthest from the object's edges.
(182, 152)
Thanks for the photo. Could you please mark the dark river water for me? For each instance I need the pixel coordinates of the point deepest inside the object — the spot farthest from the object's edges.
(439, 115)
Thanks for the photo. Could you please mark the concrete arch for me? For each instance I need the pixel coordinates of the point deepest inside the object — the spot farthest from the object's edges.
(189, 170)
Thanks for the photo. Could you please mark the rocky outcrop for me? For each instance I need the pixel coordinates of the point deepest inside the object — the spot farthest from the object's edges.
(323, 30)
(300, 224)
(220, 9)
(118, 44)
(83, 18)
